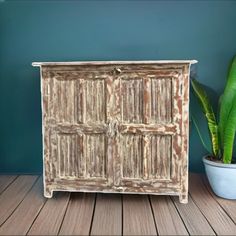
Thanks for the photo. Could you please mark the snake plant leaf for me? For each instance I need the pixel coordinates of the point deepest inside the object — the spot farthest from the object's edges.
(209, 114)
(205, 142)
(229, 134)
(227, 99)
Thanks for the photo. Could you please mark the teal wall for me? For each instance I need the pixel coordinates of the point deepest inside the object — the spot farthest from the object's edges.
(100, 30)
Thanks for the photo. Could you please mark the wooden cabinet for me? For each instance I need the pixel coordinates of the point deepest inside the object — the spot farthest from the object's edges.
(116, 126)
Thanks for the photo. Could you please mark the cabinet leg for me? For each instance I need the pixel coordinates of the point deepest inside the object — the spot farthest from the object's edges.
(48, 193)
(183, 198)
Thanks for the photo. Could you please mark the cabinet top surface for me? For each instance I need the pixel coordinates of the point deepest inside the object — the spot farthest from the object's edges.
(73, 63)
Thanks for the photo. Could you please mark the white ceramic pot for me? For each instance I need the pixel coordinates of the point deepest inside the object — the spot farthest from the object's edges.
(222, 178)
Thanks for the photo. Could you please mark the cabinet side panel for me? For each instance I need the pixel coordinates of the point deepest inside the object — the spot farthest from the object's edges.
(45, 106)
(185, 135)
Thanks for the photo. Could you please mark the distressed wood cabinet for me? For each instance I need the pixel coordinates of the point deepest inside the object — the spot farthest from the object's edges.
(116, 126)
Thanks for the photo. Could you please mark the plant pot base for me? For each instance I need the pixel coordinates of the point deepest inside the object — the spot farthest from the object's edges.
(221, 178)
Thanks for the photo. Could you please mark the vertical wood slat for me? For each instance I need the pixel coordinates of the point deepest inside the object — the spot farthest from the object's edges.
(166, 216)
(113, 105)
(220, 221)
(68, 154)
(63, 100)
(78, 217)
(95, 155)
(137, 216)
(185, 133)
(155, 159)
(48, 109)
(21, 220)
(146, 155)
(161, 100)
(132, 155)
(14, 194)
(177, 137)
(94, 97)
(71, 156)
(50, 218)
(107, 218)
(79, 100)
(132, 107)
(146, 100)
(5, 181)
(159, 157)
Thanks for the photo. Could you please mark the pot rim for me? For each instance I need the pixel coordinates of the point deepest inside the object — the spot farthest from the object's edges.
(217, 164)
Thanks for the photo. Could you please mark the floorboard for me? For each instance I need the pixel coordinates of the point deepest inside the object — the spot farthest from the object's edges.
(79, 214)
(216, 216)
(26, 212)
(167, 219)
(137, 216)
(14, 194)
(5, 181)
(228, 205)
(107, 218)
(193, 219)
(51, 216)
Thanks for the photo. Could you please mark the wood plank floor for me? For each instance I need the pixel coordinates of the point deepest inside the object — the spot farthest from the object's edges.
(24, 211)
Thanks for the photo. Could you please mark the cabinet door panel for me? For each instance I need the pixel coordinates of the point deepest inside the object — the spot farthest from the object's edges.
(150, 127)
(76, 130)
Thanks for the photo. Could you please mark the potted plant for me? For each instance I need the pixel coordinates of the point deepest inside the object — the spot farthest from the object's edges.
(220, 165)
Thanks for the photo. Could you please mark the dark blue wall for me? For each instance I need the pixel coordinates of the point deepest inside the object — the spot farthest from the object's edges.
(100, 30)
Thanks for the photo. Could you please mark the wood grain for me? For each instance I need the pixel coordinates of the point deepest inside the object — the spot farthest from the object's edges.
(50, 218)
(193, 219)
(5, 181)
(78, 218)
(26, 212)
(125, 124)
(228, 205)
(14, 194)
(166, 216)
(137, 216)
(107, 218)
(86, 63)
(220, 221)
(203, 215)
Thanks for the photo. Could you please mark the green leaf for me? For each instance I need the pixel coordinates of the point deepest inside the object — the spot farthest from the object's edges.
(209, 114)
(202, 137)
(227, 99)
(229, 134)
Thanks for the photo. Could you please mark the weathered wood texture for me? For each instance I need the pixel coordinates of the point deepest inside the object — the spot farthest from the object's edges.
(116, 127)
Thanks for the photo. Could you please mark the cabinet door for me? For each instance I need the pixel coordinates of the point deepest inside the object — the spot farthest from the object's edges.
(76, 131)
(150, 126)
